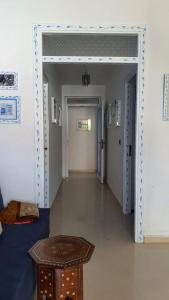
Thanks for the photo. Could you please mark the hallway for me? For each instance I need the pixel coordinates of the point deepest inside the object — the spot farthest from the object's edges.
(119, 269)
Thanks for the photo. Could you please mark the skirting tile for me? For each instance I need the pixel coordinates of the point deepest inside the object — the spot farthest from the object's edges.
(156, 239)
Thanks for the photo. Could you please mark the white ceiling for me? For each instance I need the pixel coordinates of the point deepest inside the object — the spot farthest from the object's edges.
(99, 73)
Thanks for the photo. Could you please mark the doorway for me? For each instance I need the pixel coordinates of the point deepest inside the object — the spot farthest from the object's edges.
(85, 151)
(92, 97)
(111, 57)
(82, 139)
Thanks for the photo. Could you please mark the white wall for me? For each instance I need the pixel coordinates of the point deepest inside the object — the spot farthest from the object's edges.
(115, 89)
(75, 91)
(55, 134)
(17, 165)
(82, 144)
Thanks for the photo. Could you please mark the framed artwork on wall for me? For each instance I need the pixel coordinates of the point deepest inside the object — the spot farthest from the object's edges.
(84, 124)
(60, 115)
(9, 109)
(8, 80)
(117, 113)
(109, 114)
(54, 110)
(166, 97)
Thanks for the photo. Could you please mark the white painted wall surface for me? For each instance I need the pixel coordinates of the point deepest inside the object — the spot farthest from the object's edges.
(55, 134)
(82, 144)
(115, 89)
(17, 141)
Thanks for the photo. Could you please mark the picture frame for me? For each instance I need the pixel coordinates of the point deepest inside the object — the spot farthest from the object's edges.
(9, 109)
(8, 80)
(54, 110)
(109, 114)
(117, 122)
(60, 115)
(166, 97)
(84, 125)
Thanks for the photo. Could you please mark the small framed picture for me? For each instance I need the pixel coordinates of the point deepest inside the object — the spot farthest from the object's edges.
(84, 124)
(117, 113)
(9, 109)
(60, 115)
(54, 110)
(166, 97)
(109, 116)
(8, 80)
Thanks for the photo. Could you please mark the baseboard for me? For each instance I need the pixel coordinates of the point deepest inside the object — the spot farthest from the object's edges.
(82, 171)
(156, 239)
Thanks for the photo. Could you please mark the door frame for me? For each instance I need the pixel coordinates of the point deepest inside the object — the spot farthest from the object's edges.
(139, 31)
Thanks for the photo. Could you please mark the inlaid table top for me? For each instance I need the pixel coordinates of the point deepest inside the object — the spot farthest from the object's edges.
(62, 251)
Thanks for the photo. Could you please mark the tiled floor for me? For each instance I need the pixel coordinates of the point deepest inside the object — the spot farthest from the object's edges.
(119, 269)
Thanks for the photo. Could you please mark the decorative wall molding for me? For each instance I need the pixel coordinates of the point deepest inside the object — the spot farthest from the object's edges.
(89, 59)
(139, 193)
(166, 97)
(38, 31)
(116, 29)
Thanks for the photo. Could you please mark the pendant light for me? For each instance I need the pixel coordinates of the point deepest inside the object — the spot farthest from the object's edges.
(86, 79)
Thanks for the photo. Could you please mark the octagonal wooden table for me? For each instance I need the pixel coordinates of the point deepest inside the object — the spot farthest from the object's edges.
(59, 262)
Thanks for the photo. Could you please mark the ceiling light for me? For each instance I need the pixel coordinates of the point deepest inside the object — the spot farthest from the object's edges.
(86, 79)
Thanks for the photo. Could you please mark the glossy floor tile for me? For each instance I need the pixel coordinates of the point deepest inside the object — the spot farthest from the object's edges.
(119, 269)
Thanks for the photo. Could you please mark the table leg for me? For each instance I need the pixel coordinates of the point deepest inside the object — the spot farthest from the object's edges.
(45, 283)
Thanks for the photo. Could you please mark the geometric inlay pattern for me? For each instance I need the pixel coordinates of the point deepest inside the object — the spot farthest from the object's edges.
(46, 282)
(70, 283)
(62, 251)
(89, 45)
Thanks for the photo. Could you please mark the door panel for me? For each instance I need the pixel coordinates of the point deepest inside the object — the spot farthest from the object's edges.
(100, 143)
(129, 142)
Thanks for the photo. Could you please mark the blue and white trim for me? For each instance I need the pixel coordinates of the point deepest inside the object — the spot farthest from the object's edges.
(139, 193)
(166, 97)
(38, 30)
(90, 59)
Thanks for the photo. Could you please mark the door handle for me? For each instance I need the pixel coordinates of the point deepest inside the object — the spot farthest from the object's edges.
(45, 148)
(130, 150)
(101, 144)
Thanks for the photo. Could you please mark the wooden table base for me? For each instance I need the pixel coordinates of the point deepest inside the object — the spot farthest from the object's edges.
(59, 262)
(60, 284)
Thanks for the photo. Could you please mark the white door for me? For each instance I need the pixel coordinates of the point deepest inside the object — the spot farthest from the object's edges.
(46, 144)
(100, 142)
